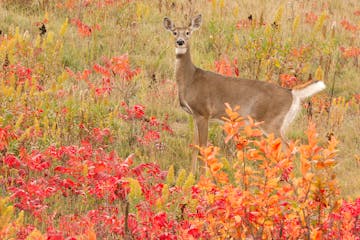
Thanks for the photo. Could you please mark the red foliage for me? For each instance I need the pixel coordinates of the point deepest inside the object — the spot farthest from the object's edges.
(73, 5)
(121, 66)
(249, 23)
(6, 135)
(299, 52)
(288, 81)
(227, 68)
(136, 112)
(85, 30)
(357, 98)
(348, 26)
(350, 52)
(12, 161)
(22, 75)
(310, 17)
(115, 70)
(100, 69)
(151, 128)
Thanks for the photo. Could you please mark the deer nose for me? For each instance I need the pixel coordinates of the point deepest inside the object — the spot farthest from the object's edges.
(180, 42)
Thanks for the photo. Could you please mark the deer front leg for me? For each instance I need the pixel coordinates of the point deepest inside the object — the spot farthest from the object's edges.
(200, 139)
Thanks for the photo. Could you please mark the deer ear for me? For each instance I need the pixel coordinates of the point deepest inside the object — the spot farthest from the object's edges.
(196, 22)
(168, 25)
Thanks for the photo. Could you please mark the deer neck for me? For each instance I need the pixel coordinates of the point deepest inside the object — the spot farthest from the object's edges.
(184, 71)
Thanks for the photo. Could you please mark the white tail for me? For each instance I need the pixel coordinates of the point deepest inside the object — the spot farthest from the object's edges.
(203, 94)
(299, 93)
(309, 90)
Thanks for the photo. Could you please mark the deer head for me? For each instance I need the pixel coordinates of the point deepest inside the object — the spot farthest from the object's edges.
(182, 34)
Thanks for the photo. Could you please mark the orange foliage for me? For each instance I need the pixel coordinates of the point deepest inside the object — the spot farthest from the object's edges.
(311, 17)
(348, 26)
(225, 67)
(350, 52)
(288, 80)
(85, 30)
(258, 195)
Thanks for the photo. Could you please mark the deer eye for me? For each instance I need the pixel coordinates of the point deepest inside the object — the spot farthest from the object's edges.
(175, 33)
(187, 33)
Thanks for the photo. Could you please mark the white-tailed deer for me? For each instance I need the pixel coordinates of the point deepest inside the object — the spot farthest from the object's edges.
(203, 93)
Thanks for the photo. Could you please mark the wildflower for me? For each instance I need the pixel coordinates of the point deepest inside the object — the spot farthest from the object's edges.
(139, 111)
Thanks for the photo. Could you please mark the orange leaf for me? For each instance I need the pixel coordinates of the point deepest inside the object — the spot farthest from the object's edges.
(305, 166)
(216, 167)
(221, 177)
(91, 234)
(276, 146)
(316, 234)
(329, 163)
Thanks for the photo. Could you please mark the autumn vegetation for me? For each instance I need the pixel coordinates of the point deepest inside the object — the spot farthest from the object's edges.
(94, 145)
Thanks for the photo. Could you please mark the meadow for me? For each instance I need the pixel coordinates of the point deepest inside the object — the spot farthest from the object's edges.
(94, 144)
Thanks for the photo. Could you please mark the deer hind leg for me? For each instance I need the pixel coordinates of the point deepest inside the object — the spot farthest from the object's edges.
(200, 139)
